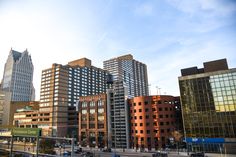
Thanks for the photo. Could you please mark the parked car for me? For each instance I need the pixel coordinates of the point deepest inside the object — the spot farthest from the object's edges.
(66, 153)
(87, 154)
(160, 154)
(79, 150)
(115, 155)
(198, 154)
(107, 150)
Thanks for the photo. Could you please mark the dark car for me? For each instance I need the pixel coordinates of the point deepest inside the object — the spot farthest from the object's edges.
(107, 150)
(115, 155)
(160, 154)
(79, 150)
(87, 154)
(198, 154)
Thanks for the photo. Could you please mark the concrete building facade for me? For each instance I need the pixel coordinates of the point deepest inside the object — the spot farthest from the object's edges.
(5, 100)
(129, 80)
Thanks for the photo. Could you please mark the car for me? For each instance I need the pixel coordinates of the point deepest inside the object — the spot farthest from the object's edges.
(197, 154)
(79, 150)
(66, 153)
(87, 154)
(160, 154)
(115, 155)
(5, 142)
(107, 150)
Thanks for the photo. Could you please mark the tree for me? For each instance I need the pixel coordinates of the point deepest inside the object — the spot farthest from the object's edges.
(46, 146)
(177, 138)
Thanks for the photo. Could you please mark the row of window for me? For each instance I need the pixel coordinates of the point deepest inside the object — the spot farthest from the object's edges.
(154, 124)
(148, 131)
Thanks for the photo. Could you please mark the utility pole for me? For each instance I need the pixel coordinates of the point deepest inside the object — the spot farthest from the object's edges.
(157, 89)
(149, 86)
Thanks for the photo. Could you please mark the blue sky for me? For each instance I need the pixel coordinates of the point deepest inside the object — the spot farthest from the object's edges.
(167, 35)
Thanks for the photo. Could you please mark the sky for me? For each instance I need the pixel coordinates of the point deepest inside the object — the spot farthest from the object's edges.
(166, 35)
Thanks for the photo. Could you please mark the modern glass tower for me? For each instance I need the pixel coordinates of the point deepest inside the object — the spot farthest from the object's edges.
(208, 98)
(18, 76)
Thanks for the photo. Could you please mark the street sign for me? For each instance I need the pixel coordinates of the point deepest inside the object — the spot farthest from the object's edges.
(35, 132)
(204, 140)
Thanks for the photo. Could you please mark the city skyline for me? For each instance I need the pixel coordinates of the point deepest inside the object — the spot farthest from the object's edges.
(165, 35)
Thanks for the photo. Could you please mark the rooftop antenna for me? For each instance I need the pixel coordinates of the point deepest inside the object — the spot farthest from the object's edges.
(157, 89)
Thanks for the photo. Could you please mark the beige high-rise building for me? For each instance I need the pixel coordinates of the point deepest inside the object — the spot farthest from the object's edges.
(61, 86)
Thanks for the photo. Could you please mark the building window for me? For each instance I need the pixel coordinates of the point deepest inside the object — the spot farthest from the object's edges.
(141, 124)
(139, 103)
(84, 111)
(140, 110)
(100, 118)
(101, 110)
(146, 103)
(84, 104)
(92, 111)
(92, 104)
(147, 116)
(140, 117)
(148, 131)
(146, 109)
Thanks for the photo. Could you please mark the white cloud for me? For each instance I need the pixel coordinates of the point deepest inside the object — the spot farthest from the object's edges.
(211, 7)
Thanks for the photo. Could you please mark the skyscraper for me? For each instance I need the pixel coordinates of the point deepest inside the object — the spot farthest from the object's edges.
(208, 98)
(133, 73)
(130, 80)
(18, 76)
(61, 87)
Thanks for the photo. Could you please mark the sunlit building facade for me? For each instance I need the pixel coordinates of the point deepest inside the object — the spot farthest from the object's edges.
(18, 76)
(208, 98)
(153, 120)
(61, 87)
(92, 114)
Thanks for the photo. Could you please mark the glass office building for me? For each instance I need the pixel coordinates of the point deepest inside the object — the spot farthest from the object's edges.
(208, 98)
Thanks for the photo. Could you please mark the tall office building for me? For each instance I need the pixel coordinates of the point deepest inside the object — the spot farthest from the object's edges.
(130, 80)
(61, 86)
(18, 76)
(208, 98)
(133, 73)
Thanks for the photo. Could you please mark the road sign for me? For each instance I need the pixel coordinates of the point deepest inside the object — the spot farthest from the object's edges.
(26, 132)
